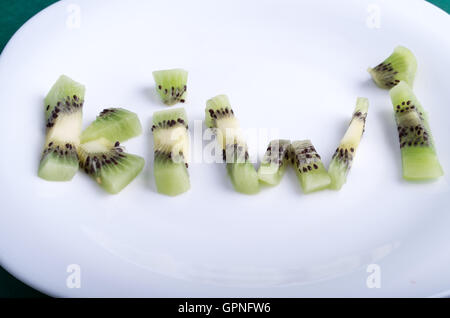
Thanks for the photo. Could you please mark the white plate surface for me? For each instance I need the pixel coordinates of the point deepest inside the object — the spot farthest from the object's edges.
(292, 66)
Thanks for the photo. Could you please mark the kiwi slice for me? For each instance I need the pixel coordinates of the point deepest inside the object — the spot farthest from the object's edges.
(114, 124)
(308, 166)
(343, 157)
(419, 158)
(171, 85)
(109, 165)
(171, 148)
(273, 165)
(63, 115)
(220, 115)
(401, 65)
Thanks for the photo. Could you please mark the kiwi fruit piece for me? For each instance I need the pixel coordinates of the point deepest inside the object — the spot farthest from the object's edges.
(63, 114)
(109, 165)
(171, 151)
(220, 116)
(419, 158)
(343, 156)
(114, 124)
(308, 166)
(275, 160)
(401, 65)
(171, 85)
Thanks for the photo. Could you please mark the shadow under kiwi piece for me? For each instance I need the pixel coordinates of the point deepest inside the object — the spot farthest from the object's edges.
(109, 165)
(401, 65)
(344, 155)
(171, 151)
(220, 115)
(171, 85)
(63, 114)
(419, 158)
(114, 124)
(308, 166)
(274, 162)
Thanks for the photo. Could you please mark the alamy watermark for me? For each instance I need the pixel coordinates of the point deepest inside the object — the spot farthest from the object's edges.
(73, 280)
(373, 20)
(73, 20)
(374, 279)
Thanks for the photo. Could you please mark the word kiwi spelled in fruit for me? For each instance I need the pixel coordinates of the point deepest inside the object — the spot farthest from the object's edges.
(98, 150)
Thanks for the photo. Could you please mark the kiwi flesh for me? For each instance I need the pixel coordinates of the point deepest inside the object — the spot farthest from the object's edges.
(401, 65)
(109, 165)
(171, 85)
(275, 160)
(63, 114)
(114, 124)
(308, 166)
(171, 151)
(419, 158)
(220, 115)
(343, 157)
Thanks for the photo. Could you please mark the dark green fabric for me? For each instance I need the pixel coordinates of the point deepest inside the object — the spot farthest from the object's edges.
(13, 14)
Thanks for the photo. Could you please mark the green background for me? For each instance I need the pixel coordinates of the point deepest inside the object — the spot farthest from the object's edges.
(14, 13)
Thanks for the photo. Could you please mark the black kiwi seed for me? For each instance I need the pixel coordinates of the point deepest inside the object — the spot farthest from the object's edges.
(187, 166)
(304, 169)
(159, 86)
(50, 144)
(352, 150)
(315, 166)
(117, 144)
(48, 106)
(182, 100)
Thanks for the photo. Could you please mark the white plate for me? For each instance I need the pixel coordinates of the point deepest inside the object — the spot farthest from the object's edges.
(296, 67)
